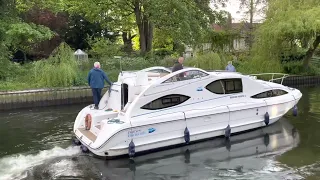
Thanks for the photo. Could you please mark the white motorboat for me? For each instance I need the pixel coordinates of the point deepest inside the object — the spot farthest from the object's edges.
(153, 108)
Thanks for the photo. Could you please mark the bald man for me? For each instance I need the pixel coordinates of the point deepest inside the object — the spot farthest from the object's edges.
(178, 64)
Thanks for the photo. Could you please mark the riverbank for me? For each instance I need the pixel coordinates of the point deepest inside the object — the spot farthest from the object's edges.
(76, 95)
(46, 97)
(300, 81)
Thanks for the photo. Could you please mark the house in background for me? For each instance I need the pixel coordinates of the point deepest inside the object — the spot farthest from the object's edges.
(240, 43)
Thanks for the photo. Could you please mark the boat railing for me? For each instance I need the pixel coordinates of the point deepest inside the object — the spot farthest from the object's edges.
(273, 76)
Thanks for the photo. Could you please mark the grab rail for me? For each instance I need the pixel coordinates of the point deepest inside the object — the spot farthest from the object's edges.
(283, 76)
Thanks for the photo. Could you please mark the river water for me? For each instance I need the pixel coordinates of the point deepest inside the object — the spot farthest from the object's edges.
(36, 144)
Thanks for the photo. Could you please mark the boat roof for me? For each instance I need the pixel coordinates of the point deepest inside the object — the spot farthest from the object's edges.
(153, 75)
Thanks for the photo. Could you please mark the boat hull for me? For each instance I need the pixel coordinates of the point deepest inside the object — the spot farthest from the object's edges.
(111, 153)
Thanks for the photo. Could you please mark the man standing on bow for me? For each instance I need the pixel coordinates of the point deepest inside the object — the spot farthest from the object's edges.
(96, 79)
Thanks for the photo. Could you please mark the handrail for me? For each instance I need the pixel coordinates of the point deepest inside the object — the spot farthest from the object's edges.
(272, 78)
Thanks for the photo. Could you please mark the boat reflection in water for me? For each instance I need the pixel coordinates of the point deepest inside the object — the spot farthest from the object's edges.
(247, 155)
(243, 153)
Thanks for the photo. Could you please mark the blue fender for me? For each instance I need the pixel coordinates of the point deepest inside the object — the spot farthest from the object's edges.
(266, 118)
(187, 135)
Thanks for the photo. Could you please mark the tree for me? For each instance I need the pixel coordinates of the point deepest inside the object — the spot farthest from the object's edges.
(253, 8)
(79, 29)
(20, 34)
(290, 24)
(185, 20)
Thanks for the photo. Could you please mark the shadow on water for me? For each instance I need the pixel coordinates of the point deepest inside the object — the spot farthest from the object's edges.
(247, 155)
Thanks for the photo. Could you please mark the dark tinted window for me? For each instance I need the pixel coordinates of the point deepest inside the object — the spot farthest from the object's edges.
(226, 86)
(265, 94)
(166, 101)
(271, 93)
(278, 92)
(216, 87)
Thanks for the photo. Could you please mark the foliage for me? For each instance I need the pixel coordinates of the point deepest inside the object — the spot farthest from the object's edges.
(291, 25)
(296, 68)
(25, 5)
(254, 7)
(22, 34)
(208, 61)
(163, 52)
(189, 19)
(16, 34)
(259, 65)
(103, 48)
(5, 67)
(78, 30)
(222, 40)
(7, 16)
(59, 70)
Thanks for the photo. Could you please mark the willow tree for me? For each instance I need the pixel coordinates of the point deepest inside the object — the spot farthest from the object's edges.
(289, 24)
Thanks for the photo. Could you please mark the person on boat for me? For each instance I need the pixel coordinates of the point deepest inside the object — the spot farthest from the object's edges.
(230, 67)
(178, 64)
(96, 79)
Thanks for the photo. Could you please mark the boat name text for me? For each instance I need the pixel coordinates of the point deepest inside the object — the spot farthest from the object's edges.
(239, 96)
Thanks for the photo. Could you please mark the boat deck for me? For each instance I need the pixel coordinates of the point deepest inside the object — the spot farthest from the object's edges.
(88, 134)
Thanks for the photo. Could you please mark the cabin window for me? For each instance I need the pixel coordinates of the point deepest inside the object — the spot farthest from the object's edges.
(265, 94)
(278, 92)
(192, 74)
(216, 87)
(159, 71)
(270, 93)
(225, 86)
(233, 85)
(166, 101)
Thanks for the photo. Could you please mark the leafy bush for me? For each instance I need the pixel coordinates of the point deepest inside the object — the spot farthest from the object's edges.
(207, 61)
(289, 56)
(59, 70)
(162, 52)
(5, 70)
(259, 65)
(296, 68)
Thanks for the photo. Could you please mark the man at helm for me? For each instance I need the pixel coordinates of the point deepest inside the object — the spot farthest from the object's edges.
(178, 65)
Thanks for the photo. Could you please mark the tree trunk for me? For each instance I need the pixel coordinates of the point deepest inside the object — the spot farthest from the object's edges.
(127, 42)
(251, 24)
(145, 28)
(140, 24)
(304, 42)
(311, 50)
(149, 35)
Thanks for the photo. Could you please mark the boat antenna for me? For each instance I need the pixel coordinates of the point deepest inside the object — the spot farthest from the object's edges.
(119, 57)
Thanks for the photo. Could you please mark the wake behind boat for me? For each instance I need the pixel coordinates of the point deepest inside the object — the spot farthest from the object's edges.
(154, 108)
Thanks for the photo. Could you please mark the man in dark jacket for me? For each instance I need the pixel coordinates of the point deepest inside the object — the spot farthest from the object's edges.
(96, 79)
(178, 65)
